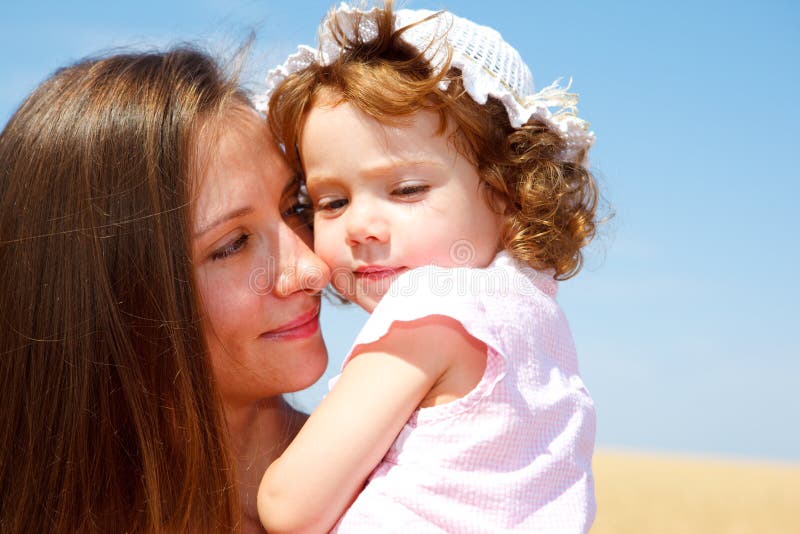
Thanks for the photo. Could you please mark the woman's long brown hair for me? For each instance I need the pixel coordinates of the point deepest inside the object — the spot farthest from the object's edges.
(109, 420)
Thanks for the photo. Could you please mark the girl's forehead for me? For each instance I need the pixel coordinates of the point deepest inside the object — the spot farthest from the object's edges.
(342, 143)
(326, 96)
(336, 121)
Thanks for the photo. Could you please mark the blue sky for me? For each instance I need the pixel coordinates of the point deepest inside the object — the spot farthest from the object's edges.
(686, 315)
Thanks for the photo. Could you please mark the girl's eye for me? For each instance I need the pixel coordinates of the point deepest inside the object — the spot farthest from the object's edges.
(332, 205)
(410, 190)
(231, 248)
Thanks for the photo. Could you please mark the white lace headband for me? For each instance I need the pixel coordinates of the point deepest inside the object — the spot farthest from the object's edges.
(489, 67)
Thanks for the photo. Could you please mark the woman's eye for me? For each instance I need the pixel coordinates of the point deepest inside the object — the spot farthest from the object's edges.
(231, 248)
(332, 205)
(297, 209)
(410, 190)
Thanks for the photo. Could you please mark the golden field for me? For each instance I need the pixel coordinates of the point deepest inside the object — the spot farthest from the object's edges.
(654, 494)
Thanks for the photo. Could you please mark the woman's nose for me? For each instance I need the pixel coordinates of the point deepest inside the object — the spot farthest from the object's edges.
(300, 269)
(365, 223)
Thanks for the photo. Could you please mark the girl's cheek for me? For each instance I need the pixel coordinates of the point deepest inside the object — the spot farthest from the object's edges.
(324, 246)
(343, 282)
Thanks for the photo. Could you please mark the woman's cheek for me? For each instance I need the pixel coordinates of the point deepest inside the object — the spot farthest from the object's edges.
(227, 299)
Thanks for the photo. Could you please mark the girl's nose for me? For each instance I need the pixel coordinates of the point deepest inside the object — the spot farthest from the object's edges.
(299, 268)
(365, 224)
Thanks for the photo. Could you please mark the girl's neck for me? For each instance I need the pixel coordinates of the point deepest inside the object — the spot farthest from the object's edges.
(259, 433)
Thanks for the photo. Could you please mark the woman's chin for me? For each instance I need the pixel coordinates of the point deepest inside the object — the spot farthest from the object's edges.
(315, 362)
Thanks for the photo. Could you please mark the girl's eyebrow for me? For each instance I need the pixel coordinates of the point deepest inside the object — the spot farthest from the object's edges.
(401, 165)
(382, 169)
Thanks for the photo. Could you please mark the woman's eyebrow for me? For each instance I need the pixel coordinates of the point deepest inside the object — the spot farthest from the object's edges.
(293, 182)
(239, 212)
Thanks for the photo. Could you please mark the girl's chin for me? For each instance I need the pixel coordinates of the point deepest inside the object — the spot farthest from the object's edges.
(365, 302)
(370, 294)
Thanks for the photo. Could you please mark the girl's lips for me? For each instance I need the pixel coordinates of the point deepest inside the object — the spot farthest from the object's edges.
(377, 272)
(302, 327)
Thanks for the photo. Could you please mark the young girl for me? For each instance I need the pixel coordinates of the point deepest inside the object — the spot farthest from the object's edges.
(448, 199)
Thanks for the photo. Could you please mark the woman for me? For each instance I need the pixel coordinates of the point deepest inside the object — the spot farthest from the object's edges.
(157, 296)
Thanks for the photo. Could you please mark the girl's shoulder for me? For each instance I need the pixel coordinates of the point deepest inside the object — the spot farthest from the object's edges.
(504, 278)
(485, 301)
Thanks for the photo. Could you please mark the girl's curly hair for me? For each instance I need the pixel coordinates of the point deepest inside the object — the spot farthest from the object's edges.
(549, 204)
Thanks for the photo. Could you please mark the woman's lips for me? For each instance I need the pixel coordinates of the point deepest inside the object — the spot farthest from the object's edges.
(302, 327)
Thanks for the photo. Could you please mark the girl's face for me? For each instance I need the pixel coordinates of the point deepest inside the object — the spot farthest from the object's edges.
(391, 198)
(258, 280)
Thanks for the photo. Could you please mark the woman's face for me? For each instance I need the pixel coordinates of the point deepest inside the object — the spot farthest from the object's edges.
(259, 281)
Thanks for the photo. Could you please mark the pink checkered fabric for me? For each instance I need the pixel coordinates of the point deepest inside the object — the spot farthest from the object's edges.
(514, 454)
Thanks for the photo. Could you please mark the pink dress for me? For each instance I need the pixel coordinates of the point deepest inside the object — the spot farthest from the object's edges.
(514, 454)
